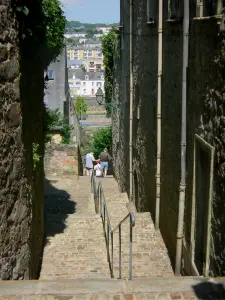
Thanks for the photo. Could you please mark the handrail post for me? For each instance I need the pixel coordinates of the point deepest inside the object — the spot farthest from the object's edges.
(131, 245)
(101, 207)
(97, 205)
(100, 201)
(104, 216)
(112, 254)
(108, 241)
(91, 184)
(120, 271)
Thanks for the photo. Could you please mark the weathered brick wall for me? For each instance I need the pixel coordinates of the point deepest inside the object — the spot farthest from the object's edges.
(205, 116)
(61, 160)
(21, 185)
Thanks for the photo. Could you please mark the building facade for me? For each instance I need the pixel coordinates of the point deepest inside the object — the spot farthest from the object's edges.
(83, 83)
(175, 82)
(57, 95)
(75, 35)
(84, 52)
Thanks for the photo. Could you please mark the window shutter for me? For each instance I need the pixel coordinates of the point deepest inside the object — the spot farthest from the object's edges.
(151, 10)
(199, 8)
(175, 9)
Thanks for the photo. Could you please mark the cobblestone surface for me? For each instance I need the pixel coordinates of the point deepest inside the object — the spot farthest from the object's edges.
(164, 288)
(74, 260)
(75, 243)
(150, 256)
(138, 296)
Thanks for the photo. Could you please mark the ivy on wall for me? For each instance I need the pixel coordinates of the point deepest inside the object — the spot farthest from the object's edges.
(42, 25)
(53, 119)
(109, 52)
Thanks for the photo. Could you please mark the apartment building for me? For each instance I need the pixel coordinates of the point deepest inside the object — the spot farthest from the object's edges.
(85, 83)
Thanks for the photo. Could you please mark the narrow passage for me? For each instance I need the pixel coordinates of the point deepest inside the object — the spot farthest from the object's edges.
(75, 244)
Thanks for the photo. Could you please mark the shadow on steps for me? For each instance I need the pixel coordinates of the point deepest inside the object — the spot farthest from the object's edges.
(57, 207)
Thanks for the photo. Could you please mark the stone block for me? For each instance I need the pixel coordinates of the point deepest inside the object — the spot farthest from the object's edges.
(3, 53)
(9, 70)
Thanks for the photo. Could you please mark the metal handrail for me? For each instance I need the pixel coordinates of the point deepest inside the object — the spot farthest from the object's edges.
(101, 208)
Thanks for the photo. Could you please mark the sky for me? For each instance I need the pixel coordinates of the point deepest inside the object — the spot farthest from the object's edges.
(92, 11)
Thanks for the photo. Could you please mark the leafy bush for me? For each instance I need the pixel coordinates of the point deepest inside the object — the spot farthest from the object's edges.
(80, 106)
(36, 156)
(102, 138)
(108, 49)
(53, 119)
(42, 25)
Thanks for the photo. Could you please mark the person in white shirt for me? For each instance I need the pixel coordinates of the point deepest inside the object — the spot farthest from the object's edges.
(89, 163)
(98, 171)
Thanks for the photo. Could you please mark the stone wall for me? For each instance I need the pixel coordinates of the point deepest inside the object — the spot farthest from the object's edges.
(205, 116)
(21, 181)
(62, 160)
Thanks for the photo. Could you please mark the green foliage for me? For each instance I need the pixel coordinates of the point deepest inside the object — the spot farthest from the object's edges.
(82, 66)
(53, 119)
(54, 22)
(75, 24)
(102, 138)
(36, 156)
(22, 9)
(108, 49)
(80, 105)
(42, 25)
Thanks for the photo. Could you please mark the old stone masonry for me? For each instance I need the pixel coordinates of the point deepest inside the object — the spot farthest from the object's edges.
(74, 262)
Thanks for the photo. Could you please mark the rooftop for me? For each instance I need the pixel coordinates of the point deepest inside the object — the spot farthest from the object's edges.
(80, 74)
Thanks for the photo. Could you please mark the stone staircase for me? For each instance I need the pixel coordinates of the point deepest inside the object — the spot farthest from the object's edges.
(75, 266)
(150, 256)
(75, 243)
(167, 288)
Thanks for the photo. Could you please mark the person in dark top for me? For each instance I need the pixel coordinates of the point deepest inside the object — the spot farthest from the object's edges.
(104, 161)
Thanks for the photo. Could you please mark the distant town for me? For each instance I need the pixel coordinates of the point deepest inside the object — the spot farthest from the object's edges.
(85, 61)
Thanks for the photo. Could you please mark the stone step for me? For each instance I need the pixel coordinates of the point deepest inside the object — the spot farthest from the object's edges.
(150, 256)
(151, 288)
(75, 244)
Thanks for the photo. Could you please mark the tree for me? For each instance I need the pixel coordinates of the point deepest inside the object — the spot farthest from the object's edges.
(42, 25)
(81, 106)
(82, 66)
(108, 50)
(102, 139)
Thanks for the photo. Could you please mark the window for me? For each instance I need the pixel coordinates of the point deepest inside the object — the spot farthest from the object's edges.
(92, 83)
(102, 77)
(99, 84)
(86, 77)
(50, 75)
(84, 91)
(84, 83)
(175, 9)
(151, 11)
(74, 77)
(77, 83)
(206, 8)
